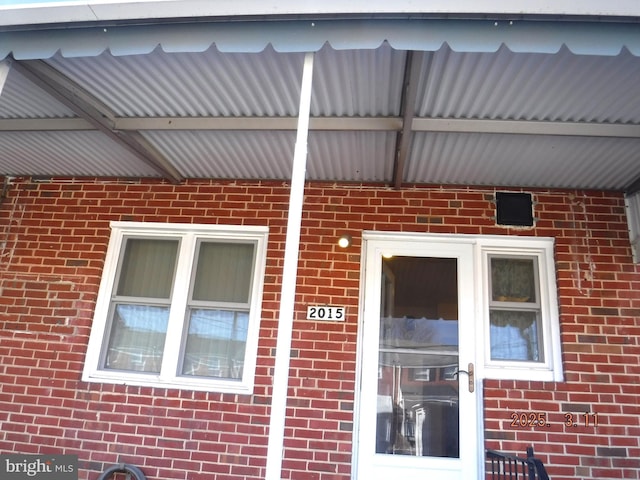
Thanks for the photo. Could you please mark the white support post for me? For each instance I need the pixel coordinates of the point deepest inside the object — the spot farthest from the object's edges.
(632, 204)
(5, 66)
(289, 277)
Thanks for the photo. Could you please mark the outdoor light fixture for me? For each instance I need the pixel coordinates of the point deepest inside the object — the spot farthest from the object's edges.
(345, 241)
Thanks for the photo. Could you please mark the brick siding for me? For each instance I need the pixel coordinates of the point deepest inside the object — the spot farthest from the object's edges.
(53, 239)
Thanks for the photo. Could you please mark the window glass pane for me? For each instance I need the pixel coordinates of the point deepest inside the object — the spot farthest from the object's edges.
(418, 397)
(216, 343)
(515, 335)
(147, 268)
(513, 280)
(223, 272)
(137, 338)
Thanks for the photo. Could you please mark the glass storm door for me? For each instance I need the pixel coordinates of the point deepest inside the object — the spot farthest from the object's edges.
(417, 408)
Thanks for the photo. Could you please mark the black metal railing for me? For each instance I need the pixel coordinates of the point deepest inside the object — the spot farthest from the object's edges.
(501, 466)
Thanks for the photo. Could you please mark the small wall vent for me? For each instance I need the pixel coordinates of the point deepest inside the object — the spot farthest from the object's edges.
(514, 208)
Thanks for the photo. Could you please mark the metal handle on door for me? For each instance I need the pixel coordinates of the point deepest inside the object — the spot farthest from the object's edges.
(470, 375)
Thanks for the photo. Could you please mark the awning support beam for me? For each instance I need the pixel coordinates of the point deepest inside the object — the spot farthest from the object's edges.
(336, 124)
(407, 110)
(96, 113)
(289, 278)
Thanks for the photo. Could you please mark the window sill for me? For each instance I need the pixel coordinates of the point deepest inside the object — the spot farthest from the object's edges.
(527, 371)
(179, 383)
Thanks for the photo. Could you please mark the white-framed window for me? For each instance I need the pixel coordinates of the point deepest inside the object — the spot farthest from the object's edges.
(179, 307)
(521, 326)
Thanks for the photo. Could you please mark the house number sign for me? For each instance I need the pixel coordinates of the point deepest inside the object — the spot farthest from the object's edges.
(326, 312)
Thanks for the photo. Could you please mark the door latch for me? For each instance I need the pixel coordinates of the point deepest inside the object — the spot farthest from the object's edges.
(470, 376)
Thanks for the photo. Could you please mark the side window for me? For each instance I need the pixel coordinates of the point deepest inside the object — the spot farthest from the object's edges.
(515, 329)
(179, 306)
(521, 321)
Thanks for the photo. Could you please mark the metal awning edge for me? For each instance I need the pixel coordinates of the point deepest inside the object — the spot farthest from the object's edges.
(584, 38)
(39, 12)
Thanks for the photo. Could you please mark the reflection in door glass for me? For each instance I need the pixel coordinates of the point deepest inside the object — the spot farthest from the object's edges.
(417, 411)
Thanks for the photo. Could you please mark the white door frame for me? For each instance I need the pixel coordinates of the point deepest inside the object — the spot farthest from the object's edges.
(406, 243)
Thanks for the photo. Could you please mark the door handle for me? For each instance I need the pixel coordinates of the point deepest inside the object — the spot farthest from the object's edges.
(470, 375)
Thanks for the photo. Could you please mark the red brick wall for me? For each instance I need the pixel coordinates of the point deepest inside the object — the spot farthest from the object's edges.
(53, 238)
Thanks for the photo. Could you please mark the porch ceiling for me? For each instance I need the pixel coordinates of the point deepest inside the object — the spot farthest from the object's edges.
(389, 112)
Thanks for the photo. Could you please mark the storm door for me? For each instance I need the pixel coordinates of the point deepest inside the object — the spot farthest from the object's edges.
(417, 408)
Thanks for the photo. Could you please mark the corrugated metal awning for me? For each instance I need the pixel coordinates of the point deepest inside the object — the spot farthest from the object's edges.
(522, 104)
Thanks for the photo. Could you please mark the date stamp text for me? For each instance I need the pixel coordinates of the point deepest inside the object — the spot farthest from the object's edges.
(541, 420)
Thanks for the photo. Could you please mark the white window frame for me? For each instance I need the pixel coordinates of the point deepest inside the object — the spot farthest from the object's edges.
(540, 249)
(188, 236)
